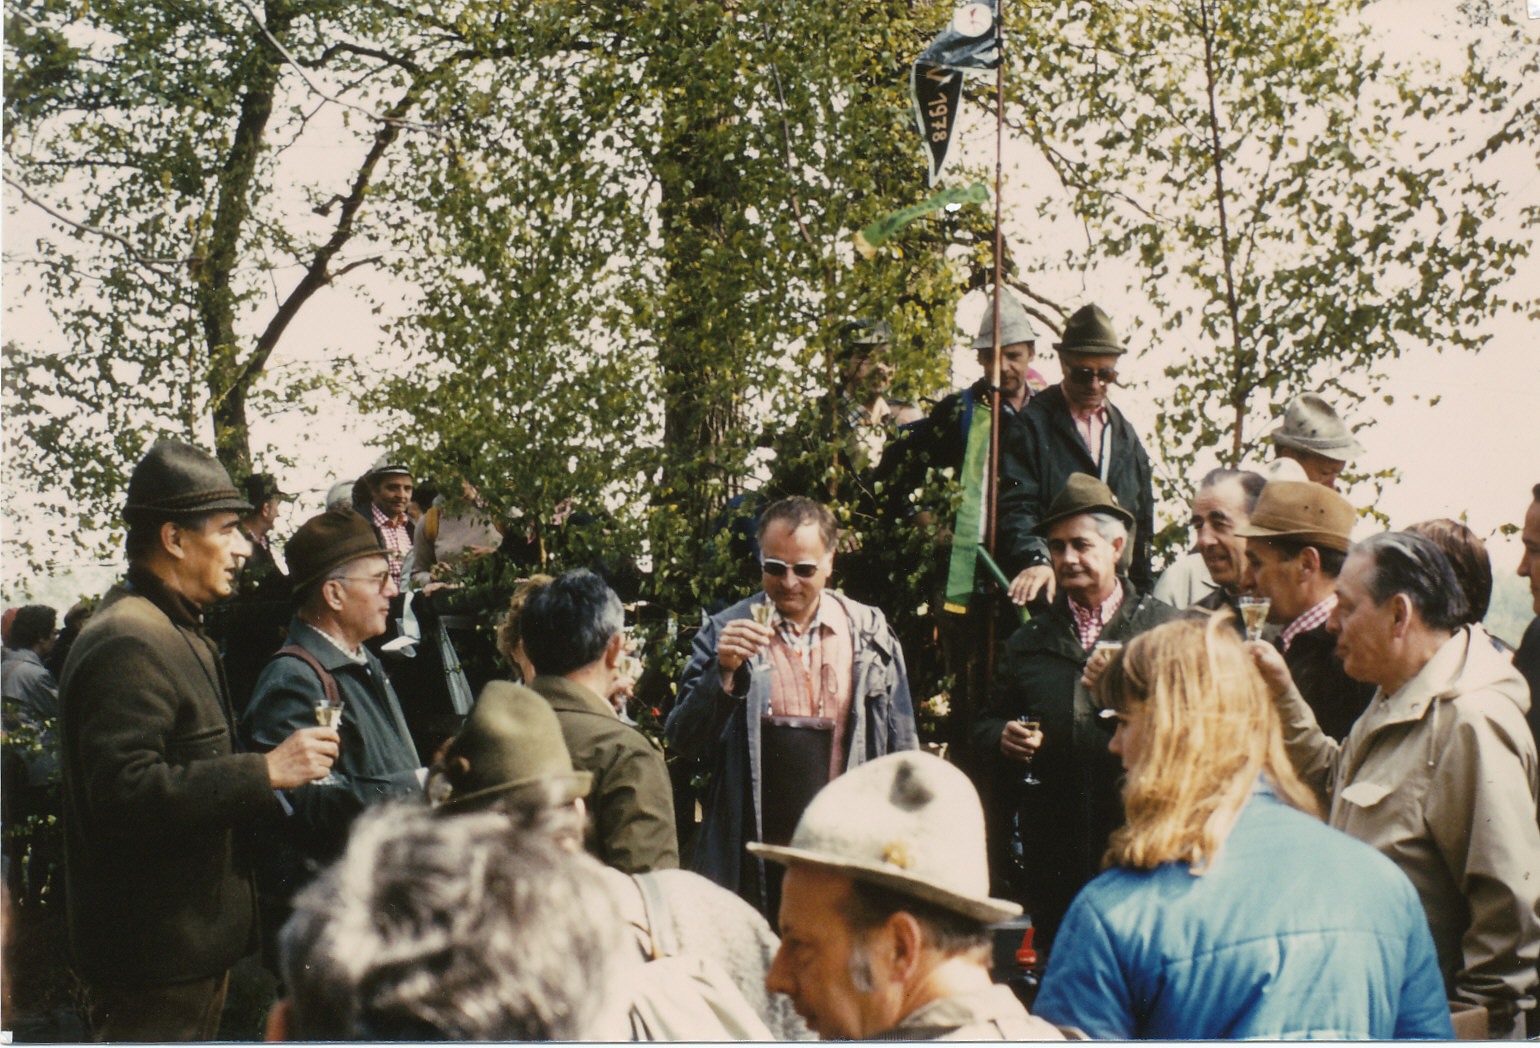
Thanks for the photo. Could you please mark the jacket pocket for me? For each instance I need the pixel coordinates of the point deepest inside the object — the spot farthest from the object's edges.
(199, 745)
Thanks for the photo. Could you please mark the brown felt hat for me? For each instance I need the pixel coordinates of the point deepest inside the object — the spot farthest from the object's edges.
(178, 480)
(511, 745)
(322, 543)
(1305, 512)
(1090, 331)
(1082, 493)
(908, 821)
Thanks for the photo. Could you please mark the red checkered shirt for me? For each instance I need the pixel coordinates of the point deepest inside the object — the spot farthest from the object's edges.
(1089, 621)
(1316, 616)
(397, 539)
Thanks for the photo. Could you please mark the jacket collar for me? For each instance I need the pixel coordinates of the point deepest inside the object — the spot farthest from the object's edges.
(1464, 662)
(327, 653)
(181, 611)
(564, 694)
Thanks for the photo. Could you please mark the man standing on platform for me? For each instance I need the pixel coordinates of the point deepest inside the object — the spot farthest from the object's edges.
(783, 692)
(1072, 428)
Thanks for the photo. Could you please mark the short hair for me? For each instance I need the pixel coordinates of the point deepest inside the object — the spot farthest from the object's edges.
(1402, 562)
(143, 536)
(1331, 559)
(509, 630)
(33, 624)
(567, 622)
(1109, 527)
(1211, 730)
(869, 906)
(1467, 555)
(451, 929)
(797, 511)
(1251, 483)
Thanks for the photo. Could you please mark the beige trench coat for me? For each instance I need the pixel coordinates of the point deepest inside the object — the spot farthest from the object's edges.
(1442, 777)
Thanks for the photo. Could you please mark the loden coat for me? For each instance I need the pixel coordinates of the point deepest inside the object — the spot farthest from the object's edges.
(1039, 450)
(154, 792)
(710, 725)
(1066, 820)
(631, 801)
(1442, 777)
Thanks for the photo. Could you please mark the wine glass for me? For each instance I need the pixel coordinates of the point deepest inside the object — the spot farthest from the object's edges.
(329, 715)
(1254, 613)
(1031, 723)
(764, 614)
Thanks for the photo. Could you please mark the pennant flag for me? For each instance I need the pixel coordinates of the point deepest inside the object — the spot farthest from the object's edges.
(881, 231)
(969, 43)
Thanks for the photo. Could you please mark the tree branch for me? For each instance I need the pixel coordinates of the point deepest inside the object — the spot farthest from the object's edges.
(152, 264)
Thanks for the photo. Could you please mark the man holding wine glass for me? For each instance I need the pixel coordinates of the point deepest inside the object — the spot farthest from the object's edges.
(1296, 542)
(156, 787)
(343, 585)
(1062, 820)
(784, 691)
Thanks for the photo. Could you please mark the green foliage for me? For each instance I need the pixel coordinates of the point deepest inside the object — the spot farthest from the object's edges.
(1277, 186)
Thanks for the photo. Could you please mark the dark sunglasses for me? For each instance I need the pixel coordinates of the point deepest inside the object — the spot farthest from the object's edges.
(1082, 375)
(777, 568)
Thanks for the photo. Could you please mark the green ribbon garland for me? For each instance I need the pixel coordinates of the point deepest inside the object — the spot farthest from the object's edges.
(881, 231)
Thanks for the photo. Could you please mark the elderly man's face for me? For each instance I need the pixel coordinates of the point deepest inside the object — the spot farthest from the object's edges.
(1319, 468)
(1085, 385)
(819, 959)
(1365, 631)
(1216, 512)
(209, 557)
(793, 595)
(870, 370)
(1268, 573)
(1529, 563)
(392, 494)
(1015, 361)
(1084, 563)
(366, 585)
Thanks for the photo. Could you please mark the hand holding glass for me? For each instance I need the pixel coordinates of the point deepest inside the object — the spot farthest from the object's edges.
(329, 715)
(1254, 613)
(1032, 724)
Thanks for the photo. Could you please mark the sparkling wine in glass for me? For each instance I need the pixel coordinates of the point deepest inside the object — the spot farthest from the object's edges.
(1031, 723)
(329, 715)
(764, 614)
(1254, 614)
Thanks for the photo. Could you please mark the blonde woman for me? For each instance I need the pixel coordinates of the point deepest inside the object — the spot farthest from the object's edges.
(1228, 909)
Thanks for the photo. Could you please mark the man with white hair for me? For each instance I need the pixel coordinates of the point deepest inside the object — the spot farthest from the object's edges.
(885, 910)
(1063, 820)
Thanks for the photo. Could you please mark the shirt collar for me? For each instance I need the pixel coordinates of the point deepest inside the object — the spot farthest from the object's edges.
(1316, 616)
(356, 657)
(383, 521)
(1103, 611)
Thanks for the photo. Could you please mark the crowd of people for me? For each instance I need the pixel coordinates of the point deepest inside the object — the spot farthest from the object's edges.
(1285, 788)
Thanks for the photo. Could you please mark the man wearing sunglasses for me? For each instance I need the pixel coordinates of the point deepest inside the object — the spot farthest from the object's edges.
(1066, 429)
(776, 709)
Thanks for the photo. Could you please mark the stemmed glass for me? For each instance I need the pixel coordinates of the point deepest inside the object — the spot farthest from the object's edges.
(329, 715)
(1254, 613)
(1031, 723)
(764, 614)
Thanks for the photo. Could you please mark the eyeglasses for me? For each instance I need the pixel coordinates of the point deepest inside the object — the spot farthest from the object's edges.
(1082, 375)
(379, 579)
(776, 569)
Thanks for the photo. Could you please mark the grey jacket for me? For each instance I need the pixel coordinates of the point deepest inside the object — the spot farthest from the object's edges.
(711, 725)
(1442, 777)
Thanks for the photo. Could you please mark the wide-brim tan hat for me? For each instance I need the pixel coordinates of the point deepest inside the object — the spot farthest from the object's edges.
(1305, 512)
(1310, 424)
(910, 822)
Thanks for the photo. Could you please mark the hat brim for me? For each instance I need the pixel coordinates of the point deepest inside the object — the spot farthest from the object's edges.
(219, 504)
(1042, 527)
(1343, 450)
(980, 908)
(573, 784)
(1309, 536)
(1092, 349)
(346, 558)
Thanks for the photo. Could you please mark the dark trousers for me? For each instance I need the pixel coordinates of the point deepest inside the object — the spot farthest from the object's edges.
(185, 1011)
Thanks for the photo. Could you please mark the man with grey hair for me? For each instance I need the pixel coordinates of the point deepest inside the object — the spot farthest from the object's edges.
(572, 630)
(1316, 439)
(885, 910)
(1063, 821)
(431, 929)
(1439, 773)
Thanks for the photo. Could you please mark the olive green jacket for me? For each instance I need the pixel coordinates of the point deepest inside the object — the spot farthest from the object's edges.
(631, 803)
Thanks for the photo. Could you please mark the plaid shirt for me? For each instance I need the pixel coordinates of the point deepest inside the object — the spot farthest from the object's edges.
(798, 640)
(1316, 616)
(398, 541)
(1089, 621)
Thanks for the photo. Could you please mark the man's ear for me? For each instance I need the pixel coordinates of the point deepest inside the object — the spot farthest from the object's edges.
(1401, 612)
(902, 942)
(613, 648)
(171, 539)
(1118, 545)
(1310, 560)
